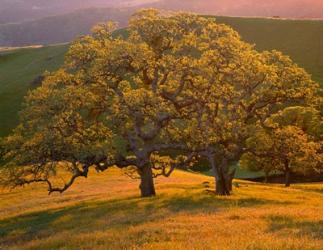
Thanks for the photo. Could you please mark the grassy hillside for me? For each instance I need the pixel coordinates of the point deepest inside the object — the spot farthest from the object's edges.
(18, 69)
(302, 40)
(105, 212)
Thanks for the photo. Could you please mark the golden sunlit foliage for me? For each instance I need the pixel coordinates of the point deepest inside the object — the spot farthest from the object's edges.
(291, 142)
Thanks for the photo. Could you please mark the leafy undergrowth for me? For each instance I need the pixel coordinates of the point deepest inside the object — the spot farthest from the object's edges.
(106, 212)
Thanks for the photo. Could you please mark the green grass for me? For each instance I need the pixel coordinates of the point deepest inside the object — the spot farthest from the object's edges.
(106, 212)
(18, 69)
(302, 40)
(240, 173)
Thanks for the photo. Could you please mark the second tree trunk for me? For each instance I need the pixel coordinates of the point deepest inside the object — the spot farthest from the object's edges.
(287, 174)
(223, 180)
(223, 183)
(147, 186)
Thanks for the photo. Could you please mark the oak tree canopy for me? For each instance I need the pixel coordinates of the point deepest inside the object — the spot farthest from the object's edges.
(173, 88)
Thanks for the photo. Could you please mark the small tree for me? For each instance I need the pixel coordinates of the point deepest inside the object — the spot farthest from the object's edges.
(256, 164)
(290, 143)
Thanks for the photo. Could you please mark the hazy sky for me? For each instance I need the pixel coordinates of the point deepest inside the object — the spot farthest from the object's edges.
(283, 8)
(21, 10)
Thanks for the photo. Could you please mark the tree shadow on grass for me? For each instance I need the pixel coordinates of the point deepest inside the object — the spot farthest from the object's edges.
(315, 190)
(81, 217)
(211, 203)
(114, 214)
(290, 225)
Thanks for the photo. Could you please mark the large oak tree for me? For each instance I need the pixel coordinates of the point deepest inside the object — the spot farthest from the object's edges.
(170, 88)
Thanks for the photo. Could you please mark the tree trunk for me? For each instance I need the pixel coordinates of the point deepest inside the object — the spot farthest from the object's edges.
(146, 186)
(287, 178)
(223, 184)
(287, 174)
(222, 188)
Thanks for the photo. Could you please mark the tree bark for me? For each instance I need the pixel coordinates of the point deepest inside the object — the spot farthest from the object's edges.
(146, 186)
(223, 181)
(287, 174)
(223, 185)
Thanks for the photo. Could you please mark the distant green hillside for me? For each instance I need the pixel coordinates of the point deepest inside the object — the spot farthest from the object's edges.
(302, 40)
(18, 69)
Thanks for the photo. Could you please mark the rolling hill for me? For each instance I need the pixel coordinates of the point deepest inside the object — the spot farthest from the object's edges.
(18, 69)
(61, 28)
(69, 19)
(254, 8)
(17, 11)
(301, 39)
(105, 212)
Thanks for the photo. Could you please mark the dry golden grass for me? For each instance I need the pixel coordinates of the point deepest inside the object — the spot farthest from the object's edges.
(106, 212)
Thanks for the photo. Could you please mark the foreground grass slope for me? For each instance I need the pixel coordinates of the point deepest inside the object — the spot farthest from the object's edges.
(105, 212)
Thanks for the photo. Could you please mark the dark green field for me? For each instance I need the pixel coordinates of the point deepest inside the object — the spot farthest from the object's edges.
(301, 39)
(18, 69)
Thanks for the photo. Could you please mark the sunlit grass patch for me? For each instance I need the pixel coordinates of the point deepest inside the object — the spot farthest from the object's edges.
(106, 212)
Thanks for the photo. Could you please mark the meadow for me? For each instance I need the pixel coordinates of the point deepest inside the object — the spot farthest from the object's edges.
(106, 212)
